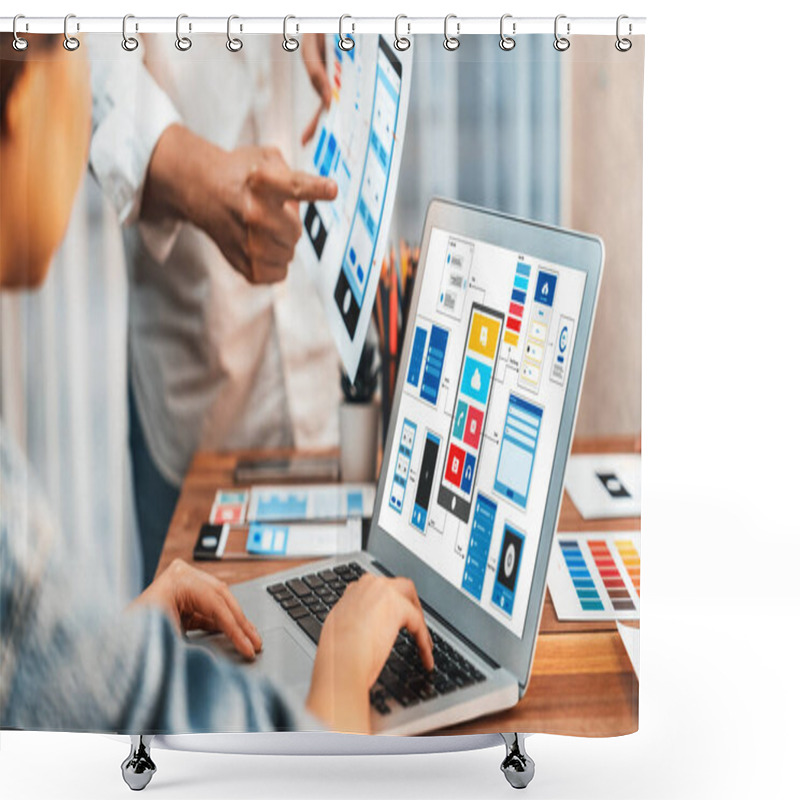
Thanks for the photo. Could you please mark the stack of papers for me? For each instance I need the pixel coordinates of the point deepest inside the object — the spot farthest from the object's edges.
(297, 521)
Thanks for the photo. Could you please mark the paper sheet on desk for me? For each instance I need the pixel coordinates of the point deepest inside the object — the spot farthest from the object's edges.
(605, 486)
(358, 143)
(303, 539)
(630, 638)
(311, 503)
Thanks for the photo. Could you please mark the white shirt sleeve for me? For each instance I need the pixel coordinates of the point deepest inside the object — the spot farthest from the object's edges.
(130, 111)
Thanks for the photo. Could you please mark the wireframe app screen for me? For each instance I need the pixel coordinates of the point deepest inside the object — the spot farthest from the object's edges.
(473, 390)
(489, 354)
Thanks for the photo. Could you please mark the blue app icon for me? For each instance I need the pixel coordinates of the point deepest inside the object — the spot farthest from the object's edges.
(476, 380)
(468, 476)
(461, 419)
(545, 288)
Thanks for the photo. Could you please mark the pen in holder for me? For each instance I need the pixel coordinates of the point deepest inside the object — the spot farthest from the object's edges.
(358, 420)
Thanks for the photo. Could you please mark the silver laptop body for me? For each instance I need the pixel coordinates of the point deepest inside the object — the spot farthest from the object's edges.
(480, 632)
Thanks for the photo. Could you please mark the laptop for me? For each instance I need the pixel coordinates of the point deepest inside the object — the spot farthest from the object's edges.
(471, 481)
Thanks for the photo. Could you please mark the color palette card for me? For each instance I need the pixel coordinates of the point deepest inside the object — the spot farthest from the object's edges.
(605, 486)
(595, 576)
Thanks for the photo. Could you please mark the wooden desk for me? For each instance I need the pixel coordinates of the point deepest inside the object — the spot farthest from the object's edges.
(582, 681)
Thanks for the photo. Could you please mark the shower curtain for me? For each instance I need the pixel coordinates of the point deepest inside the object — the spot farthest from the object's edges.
(187, 316)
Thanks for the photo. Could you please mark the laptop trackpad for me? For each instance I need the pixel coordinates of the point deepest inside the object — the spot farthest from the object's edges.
(283, 660)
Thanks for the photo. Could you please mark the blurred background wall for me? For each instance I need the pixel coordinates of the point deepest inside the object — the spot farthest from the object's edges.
(604, 195)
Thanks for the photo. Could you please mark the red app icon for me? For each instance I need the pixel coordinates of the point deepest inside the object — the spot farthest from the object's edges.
(455, 465)
(472, 430)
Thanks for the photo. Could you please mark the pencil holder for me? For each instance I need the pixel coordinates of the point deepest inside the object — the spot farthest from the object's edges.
(358, 432)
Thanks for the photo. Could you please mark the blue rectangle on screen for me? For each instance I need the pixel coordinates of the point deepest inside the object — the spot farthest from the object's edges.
(330, 151)
(523, 269)
(518, 450)
(434, 363)
(478, 551)
(379, 150)
(518, 297)
(390, 88)
(369, 222)
(545, 288)
(521, 283)
(476, 380)
(417, 352)
(320, 144)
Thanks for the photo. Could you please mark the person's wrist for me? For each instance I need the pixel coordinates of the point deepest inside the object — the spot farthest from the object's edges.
(200, 185)
(180, 176)
(339, 696)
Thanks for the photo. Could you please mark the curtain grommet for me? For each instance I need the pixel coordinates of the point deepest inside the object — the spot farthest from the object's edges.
(71, 43)
(129, 43)
(289, 44)
(623, 44)
(401, 43)
(561, 43)
(507, 42)
(346, 43)
(234, 44)
(18, 43)
(183, 43)
(451, 43)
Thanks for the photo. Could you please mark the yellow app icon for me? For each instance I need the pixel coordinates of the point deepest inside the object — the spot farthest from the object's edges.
(483, 335)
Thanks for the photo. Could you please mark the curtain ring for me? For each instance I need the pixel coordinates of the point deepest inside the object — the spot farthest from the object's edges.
(19, 43)
(451, 42)
(129, 43)
(183, 43)
(401, 42)
(623, 45)
(507, 42)
(233, 44)
(290, 44)
(561, 43)
(346, 43)
(71, 43)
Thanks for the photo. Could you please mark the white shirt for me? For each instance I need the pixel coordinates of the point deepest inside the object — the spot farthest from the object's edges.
(215, 362)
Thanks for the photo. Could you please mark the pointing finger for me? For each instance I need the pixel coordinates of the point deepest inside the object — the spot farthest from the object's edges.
(286, 184)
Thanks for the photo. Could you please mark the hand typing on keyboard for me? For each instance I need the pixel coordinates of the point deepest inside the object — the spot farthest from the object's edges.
(354, 644)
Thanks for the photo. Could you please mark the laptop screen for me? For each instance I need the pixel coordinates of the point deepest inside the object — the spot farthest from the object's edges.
(479, 414)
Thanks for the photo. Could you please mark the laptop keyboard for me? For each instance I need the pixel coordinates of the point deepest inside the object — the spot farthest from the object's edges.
(308, 601)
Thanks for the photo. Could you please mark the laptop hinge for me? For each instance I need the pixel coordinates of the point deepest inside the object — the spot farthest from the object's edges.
(444, 623)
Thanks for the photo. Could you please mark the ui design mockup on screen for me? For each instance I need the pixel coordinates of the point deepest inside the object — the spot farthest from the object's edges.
(479, 414)
(358, 144)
